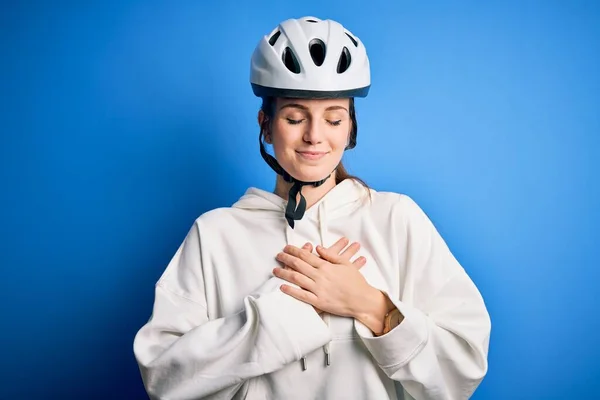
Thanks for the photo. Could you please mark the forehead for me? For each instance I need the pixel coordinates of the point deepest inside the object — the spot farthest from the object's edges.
(314, 104)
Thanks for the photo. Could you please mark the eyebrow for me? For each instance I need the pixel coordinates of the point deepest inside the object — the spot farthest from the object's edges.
(304, 108)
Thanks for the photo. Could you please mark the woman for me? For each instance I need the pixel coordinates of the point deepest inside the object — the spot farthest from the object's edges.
(391, 316)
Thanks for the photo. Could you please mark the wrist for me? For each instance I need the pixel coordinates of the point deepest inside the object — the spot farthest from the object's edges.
(373, 310)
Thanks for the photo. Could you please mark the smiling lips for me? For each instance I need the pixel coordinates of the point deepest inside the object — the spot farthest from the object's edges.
(312, 155)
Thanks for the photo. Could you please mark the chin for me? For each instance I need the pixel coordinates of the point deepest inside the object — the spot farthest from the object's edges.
(311, 174)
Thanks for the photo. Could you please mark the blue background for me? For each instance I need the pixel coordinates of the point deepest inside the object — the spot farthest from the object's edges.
(121, 122)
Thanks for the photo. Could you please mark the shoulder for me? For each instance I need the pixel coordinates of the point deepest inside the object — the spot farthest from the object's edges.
(401, 202)
(400, 207)
(212, 221)
(215, 216)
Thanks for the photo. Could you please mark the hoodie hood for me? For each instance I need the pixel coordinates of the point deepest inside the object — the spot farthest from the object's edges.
(342, 200)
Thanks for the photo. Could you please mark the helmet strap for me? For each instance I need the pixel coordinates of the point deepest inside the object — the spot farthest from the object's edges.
(294, 211)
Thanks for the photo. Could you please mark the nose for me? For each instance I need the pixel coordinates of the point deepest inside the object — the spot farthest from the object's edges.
(314, 132)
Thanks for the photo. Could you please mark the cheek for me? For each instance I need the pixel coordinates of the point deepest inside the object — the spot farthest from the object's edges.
(283, 138)
(340, 140)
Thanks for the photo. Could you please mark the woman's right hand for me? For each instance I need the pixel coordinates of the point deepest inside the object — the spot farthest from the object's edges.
(347, 254)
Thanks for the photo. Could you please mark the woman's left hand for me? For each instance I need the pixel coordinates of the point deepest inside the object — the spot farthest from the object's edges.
(334, 284)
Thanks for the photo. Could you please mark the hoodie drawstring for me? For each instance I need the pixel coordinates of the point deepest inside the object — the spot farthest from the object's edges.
(326, 348)
(322, 233)
(322, 222)
(322, 217)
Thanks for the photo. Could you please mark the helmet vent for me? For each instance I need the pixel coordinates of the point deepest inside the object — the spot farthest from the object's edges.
(290, 61)
(353, 39)
(274, 38)
(344, 61)
(317, 51)
(311, 20)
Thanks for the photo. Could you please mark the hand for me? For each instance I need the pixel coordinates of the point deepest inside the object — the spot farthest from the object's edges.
(337, 248)
(330, 282)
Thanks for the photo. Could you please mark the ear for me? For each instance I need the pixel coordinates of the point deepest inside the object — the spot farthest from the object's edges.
(261, 119)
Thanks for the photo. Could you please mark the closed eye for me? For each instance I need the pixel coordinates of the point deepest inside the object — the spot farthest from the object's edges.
(294, 121)
(335, 123)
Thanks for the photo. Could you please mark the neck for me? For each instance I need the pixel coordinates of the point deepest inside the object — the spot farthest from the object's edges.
(311, 194)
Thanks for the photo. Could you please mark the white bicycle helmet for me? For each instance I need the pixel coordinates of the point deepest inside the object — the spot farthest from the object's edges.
(310, 58)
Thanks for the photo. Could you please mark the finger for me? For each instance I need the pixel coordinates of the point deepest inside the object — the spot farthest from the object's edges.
(359, 262)
(338, 246)
(297, 264)
(329, 255)
(308, 247)
(351, 251)
(300, 294)
(295, 277)
(308, 257)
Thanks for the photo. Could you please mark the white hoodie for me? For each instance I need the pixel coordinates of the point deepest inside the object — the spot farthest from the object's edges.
(222, 329)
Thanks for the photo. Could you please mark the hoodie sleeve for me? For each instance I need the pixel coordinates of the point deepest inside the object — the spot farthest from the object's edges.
(184, 355)
(439, 350)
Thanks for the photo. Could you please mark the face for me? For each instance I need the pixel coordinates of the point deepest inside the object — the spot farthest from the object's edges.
(309, 136)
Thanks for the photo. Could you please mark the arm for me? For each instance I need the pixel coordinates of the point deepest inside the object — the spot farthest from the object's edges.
(184, 355)
(439, 348)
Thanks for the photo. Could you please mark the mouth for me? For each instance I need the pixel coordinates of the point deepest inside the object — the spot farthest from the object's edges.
(312, 155)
